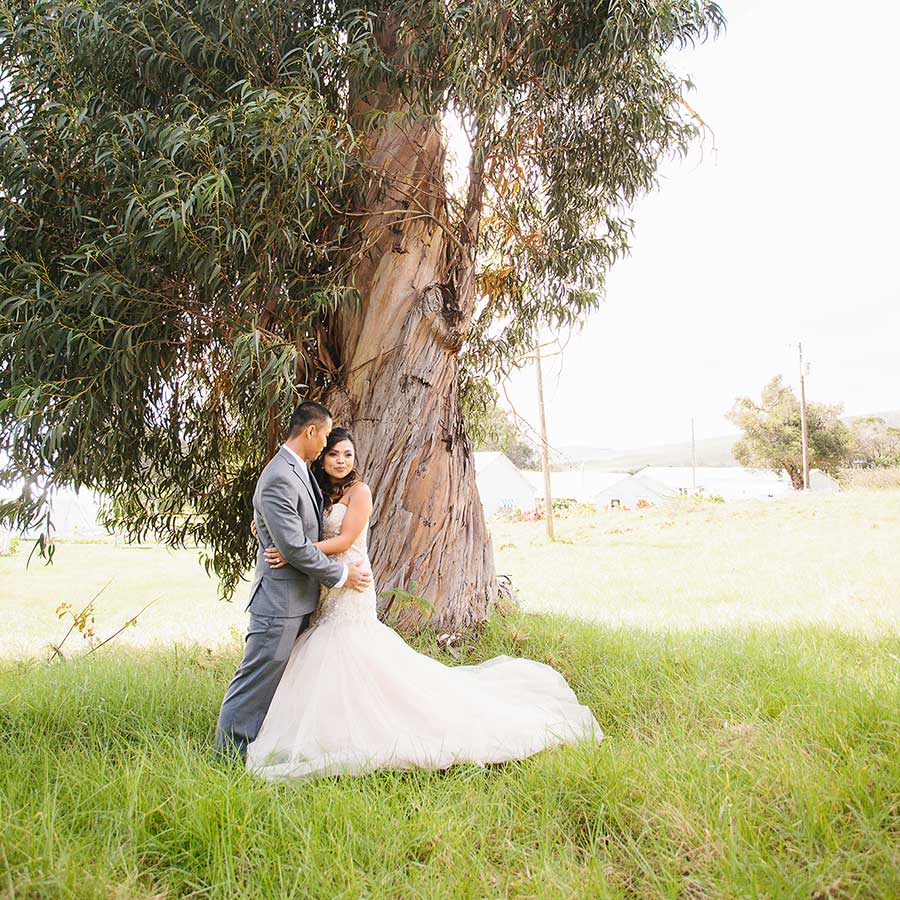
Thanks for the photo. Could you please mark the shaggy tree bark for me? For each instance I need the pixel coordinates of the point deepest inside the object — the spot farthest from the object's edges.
(396, 362)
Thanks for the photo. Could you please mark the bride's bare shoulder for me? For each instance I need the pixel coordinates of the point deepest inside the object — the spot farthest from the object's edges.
(359, 490)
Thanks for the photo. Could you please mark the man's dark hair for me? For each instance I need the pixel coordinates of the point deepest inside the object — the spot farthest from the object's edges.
(308, 413)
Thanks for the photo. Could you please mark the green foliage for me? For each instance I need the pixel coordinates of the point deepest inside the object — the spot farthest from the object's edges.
(772, 433)
(501, 432)
(396, 603)
(508, 514)
(163, 263)
(701, 497)
(876, 445)
(177, 208)
(761, 763)
(567, 507)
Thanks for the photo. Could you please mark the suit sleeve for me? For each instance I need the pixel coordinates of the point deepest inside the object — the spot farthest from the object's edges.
(284, 527)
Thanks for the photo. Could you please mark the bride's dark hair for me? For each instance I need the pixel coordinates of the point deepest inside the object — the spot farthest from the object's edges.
(332, 490)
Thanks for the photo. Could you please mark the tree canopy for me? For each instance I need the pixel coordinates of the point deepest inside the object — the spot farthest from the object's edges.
(876, 444)
(503, 432)
(772, 433)
(183, 199)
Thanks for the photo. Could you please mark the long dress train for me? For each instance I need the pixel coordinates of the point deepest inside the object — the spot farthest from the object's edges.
(356, 697)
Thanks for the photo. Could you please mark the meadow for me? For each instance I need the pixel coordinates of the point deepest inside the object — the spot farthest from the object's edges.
(822, 558)
(744, 662)
(829, 559)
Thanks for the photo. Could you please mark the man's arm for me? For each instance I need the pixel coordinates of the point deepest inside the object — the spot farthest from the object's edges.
(285, 529)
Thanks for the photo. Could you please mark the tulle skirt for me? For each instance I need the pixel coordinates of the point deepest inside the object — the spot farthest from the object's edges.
(356, 697)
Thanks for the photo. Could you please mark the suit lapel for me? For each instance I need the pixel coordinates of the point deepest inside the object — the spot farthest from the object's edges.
(306, 480)
(317, 495)
(320, 500)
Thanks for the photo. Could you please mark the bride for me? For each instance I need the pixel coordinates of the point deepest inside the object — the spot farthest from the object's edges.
(355, 697)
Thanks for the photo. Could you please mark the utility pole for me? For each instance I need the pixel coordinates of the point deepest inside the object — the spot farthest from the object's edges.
(693, 459)
(545, 447)
(804, 431)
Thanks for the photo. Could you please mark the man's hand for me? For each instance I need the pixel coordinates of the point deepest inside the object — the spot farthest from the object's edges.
(358, 577)
(274, 558)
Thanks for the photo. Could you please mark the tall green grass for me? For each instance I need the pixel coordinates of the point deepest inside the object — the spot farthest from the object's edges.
(757, 764)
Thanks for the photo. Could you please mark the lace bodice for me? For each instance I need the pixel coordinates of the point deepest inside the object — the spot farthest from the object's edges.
(344, 604)
(358, 551)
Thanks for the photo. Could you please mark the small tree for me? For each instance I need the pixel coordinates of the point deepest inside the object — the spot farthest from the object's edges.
(876, 444)
(772, 433)
(503, 433)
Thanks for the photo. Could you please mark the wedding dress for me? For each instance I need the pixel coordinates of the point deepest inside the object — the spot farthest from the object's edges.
(356, 697)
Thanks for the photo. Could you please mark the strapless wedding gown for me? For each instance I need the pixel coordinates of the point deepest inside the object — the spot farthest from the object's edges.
(356, 697)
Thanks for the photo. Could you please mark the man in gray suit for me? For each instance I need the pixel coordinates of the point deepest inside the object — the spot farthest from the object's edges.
(287, 510)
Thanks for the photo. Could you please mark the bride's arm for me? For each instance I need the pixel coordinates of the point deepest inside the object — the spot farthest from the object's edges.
(358, 511)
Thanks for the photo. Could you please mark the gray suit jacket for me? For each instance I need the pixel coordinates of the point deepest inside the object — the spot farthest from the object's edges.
(288, 514)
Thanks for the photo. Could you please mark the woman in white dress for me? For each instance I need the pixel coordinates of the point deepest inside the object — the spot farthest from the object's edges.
(356, 697)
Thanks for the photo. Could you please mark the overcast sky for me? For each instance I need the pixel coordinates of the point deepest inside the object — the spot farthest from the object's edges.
(786, 231)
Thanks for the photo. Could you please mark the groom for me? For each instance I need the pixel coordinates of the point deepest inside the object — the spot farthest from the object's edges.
(287, 510)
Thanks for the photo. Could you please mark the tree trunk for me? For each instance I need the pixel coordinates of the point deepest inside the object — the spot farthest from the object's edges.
(396, 372)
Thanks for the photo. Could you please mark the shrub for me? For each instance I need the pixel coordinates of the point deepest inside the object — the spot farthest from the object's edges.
(883, 479)
(509, 514)
(566, 507)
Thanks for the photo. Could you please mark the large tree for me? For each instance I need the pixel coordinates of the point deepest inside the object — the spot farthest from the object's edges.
(212, 208)
(773, 433)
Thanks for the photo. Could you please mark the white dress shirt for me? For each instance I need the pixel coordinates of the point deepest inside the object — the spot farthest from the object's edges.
(305, 469)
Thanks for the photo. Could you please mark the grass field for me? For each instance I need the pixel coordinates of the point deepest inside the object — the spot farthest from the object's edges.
(185, 606)
(759, 765)
(757, 757)
(828, 558)
(831, 559)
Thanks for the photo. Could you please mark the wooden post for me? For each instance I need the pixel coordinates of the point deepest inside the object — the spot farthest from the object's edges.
(693, 459)
(804, 431)
(545, 448)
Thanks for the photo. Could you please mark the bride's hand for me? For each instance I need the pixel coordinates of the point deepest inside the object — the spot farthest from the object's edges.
(274, 558)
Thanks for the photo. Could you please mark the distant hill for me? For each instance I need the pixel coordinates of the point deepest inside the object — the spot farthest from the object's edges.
(583, 454)
(892, 417)
(710, 452)
(715, 451)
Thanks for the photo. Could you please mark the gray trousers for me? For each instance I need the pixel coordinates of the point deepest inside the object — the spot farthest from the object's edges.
(266, 653)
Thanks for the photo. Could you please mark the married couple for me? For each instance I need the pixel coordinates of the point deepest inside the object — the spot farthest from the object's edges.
(324, 688)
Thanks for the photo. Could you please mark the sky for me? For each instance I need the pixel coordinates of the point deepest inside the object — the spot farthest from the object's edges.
(780, 227)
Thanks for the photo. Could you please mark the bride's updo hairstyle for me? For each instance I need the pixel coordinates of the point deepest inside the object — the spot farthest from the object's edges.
(332, 491)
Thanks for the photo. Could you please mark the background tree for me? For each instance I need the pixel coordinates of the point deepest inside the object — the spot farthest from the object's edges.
(772, 433)
(210, 209)
(875, 443)
(500, 432)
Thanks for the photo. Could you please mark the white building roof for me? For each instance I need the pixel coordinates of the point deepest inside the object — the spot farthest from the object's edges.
(729, 482)
(632, 489)
(819, 481)
(500, 484)
(577, 485)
